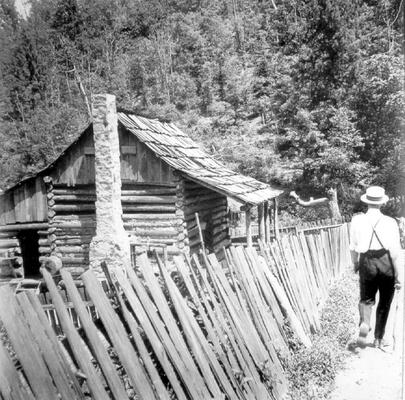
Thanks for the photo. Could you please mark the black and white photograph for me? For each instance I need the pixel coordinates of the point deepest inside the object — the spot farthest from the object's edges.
(202, 199)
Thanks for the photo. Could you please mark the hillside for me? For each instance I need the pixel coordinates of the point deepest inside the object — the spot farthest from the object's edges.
(307, 95)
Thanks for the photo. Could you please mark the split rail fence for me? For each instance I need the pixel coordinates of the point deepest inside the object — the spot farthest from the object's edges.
(198, 329)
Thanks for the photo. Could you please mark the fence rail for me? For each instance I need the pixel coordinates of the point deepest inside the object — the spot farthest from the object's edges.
(201, 329)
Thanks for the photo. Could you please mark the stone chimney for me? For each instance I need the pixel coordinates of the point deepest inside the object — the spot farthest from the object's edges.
(111, 242)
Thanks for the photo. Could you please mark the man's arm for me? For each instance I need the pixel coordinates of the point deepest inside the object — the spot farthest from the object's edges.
(353, 243)
(395, 253)
(355, 260)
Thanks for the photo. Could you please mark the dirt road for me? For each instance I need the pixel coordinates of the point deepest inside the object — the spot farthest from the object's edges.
(374, 374)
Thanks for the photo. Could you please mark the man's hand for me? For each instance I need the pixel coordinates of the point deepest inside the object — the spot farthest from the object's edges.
(397, 285)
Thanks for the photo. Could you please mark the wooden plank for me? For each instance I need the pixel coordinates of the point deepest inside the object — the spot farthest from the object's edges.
(173, 329)
(81, 354)
(40, 314)
(119, 337)
(249, 355)
(160, 389)
(160, 344)
(218, 313)
(198, 341)
(25, 347)
(56, 366)
(95, 343)
(10, 385)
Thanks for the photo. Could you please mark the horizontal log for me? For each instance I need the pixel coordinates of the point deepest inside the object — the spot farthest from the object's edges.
(82, 217)
(146, 185)
(148, 208)
(192, 185)
(149, 191)
(74, 270)
(155, 224)
(71, 242)
(24, 226)
(73, 208)
(44, 242)
(200, 198)
(148, 216)
(74, 249)
(202, 213)
(63, 192)
(220, 237)
(74, 224)
(8, 235)
(194, 242)
(226, 242)
(156, 232)
(142, 241)
(71, 260)
(74, 198)
(45, 250)
(148, 199)
(83, 257)
(68, 235)
(219, 228)
(9, 244)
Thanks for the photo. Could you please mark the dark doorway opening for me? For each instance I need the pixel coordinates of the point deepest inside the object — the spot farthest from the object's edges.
(29, 244)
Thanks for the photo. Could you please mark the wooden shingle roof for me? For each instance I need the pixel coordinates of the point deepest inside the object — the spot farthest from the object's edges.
(179, 151)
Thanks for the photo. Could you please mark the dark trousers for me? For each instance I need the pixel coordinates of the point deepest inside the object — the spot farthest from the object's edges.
(377, 274)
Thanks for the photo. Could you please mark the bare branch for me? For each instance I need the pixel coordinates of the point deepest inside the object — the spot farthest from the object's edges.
(311, 202)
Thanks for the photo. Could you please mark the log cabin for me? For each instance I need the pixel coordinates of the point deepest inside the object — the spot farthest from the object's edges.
(124, 173)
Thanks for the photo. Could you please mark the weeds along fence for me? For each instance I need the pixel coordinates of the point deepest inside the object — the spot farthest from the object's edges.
(198, 329)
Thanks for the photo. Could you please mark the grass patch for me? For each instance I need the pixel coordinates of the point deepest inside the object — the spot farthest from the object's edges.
(312, 371)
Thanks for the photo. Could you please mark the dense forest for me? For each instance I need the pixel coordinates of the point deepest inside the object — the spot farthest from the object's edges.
(304, 94)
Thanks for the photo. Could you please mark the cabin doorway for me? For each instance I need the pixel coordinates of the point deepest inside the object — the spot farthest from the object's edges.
(29, 244)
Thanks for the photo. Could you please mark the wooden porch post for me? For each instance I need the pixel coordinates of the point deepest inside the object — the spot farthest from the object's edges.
(248, 221)
(266, 221)
(260, 217)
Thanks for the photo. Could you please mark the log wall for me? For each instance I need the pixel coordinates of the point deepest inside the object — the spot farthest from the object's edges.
(72, 225)
(212, 209)
(150, 216)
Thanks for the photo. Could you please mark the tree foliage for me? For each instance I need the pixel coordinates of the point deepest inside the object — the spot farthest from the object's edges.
(306, 94)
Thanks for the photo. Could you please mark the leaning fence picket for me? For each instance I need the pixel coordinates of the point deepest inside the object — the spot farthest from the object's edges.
(202, 329)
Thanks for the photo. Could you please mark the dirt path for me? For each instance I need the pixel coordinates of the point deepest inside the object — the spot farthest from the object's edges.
(374, 374)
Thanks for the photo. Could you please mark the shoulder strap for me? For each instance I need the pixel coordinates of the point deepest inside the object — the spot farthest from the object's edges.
(375, 233)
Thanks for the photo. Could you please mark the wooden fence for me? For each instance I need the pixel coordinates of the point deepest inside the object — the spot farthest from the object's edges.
(238, 232)
(199, 329)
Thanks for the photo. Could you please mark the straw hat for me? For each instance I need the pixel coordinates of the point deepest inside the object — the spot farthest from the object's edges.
(374, 195)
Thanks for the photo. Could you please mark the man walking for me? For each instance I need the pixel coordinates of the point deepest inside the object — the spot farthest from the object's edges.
(375, 250)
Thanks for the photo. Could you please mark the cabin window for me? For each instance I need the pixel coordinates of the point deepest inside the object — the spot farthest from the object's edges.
(29, 244)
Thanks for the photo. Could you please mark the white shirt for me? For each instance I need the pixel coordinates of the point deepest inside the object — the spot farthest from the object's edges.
(361, 230)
